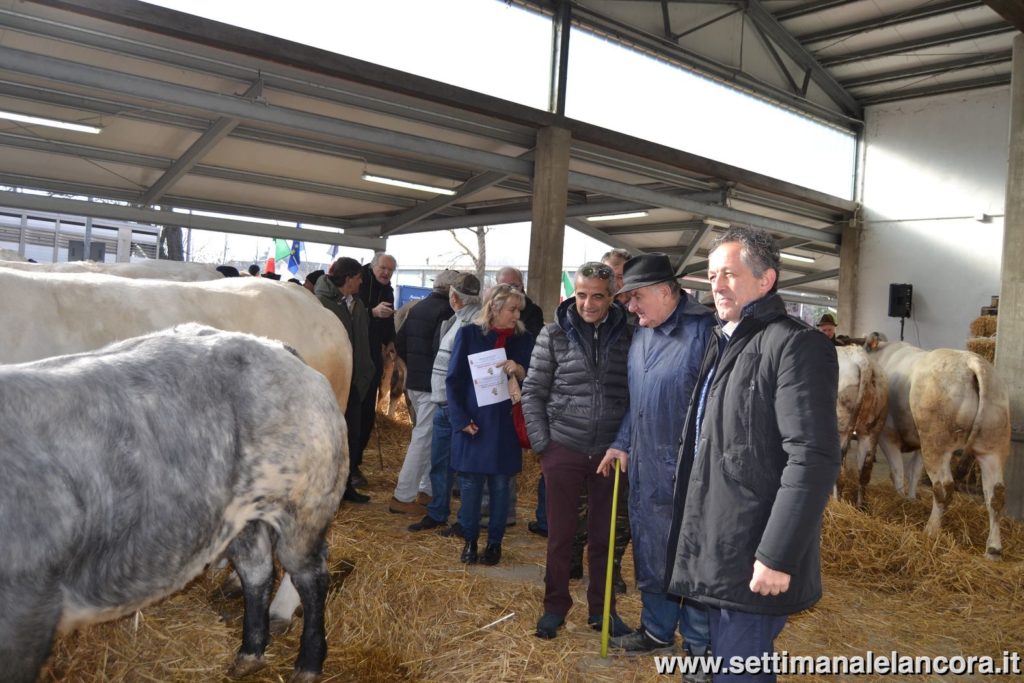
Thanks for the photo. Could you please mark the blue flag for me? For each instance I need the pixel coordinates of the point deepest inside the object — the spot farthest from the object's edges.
(293, 257)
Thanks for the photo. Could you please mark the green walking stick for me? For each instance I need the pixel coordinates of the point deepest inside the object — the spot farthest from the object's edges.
(611, 565)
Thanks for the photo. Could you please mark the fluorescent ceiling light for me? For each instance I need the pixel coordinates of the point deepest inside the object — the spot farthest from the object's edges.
(617, 216)
(716, 223)
(53, 123)
(696, 278)
(796, 257)
(406, 184)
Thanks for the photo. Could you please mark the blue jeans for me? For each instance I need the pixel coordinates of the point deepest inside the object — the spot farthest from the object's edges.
(740, 634)
(441, 475)
(542, 504)
(472, 486)
(661, 614)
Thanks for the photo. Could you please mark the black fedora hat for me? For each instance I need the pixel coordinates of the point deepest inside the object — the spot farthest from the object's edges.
(645, 270)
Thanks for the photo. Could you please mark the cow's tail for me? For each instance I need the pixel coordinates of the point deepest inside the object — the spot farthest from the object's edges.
(988, 393)
(866, 371)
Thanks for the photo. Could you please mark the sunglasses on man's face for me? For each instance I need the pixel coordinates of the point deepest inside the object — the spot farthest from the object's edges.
(597, 270)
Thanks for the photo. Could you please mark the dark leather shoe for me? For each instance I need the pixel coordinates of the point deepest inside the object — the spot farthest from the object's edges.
(469, 555)
(356, 478)
(548, 625)
(492, 554)
(616, 626)
(353, 496)
(425, 524)
(535, 528)
(454, 531)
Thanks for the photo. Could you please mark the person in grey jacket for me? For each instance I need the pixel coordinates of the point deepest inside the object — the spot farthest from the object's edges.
(464, 298)
(760, 454)
(574, 398)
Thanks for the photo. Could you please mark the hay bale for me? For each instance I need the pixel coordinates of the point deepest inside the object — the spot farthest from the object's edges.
(984, 347)
(984, 326)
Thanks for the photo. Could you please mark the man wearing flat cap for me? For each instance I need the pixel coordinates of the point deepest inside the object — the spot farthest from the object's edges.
(664, 361)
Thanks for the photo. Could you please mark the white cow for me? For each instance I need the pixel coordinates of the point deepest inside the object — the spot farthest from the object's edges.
(861, 408)
(150, 269)
(941, 401)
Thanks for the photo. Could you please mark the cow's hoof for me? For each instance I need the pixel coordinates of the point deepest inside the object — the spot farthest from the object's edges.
(279, 627)
(303, 677)
(994, 554)
(245, 665)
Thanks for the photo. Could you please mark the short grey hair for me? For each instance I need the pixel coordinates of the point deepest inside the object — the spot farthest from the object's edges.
(620, 254)
(759, 251)
(590, 266)
(381, 254)
(495, 300)
(505, 270)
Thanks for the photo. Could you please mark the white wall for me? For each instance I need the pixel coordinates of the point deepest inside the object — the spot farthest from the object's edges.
(932, 165)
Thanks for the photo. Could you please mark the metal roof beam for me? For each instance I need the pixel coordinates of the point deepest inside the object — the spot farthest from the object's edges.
(207, 141)
(639, 229)
(396, 225)
(812, 277)
(989, 58)
(810, 8)
(764, 20)
(613, 188)
(1011, 10)
(939, 88)
(894, 19)
(989, 29)
(162, 91)
(64, 187)
(596, 233)
(693, 246)
(234, 175)
(32, 202)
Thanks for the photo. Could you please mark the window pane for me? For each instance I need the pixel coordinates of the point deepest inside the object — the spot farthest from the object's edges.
(619, 88)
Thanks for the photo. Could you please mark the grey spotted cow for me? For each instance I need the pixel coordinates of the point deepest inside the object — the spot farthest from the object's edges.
(125, 471)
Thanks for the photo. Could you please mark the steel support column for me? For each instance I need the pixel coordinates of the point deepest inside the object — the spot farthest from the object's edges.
(547, 236)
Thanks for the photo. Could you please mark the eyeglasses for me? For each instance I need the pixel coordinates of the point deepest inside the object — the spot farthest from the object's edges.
(598, 270)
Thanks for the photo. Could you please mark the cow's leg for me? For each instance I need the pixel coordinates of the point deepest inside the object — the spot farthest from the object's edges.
(942, 487)
(995, 495)
(29, 613)
(865, 462)
(892, 454)
(286, 601)
(252, 554)
(912, 464)
(309, 576)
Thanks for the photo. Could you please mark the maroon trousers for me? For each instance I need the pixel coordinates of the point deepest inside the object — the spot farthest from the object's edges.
(566, 473)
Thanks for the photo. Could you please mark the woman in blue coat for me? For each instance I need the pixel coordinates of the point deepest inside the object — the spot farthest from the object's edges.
(485, 447)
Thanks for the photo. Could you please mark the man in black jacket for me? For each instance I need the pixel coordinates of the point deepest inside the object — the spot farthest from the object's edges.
(378, 296)
(416, 344)
(531, 317)
(759, 457)
(574, 398)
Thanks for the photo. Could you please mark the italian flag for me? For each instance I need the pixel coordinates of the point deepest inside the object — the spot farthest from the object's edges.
(567, 285)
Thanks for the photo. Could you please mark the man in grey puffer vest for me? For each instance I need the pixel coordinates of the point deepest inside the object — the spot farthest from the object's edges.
(574, 398)
(464, 297)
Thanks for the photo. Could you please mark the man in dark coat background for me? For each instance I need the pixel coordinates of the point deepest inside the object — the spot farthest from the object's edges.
(378, 296)
(416, 344)
(759, 456)
(532, 317)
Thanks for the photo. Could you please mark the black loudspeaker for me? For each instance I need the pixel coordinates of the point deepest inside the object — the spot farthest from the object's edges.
(900, 297)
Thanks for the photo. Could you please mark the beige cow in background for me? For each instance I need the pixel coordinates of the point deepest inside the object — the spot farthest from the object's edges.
(942, 401)
(861, 408)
